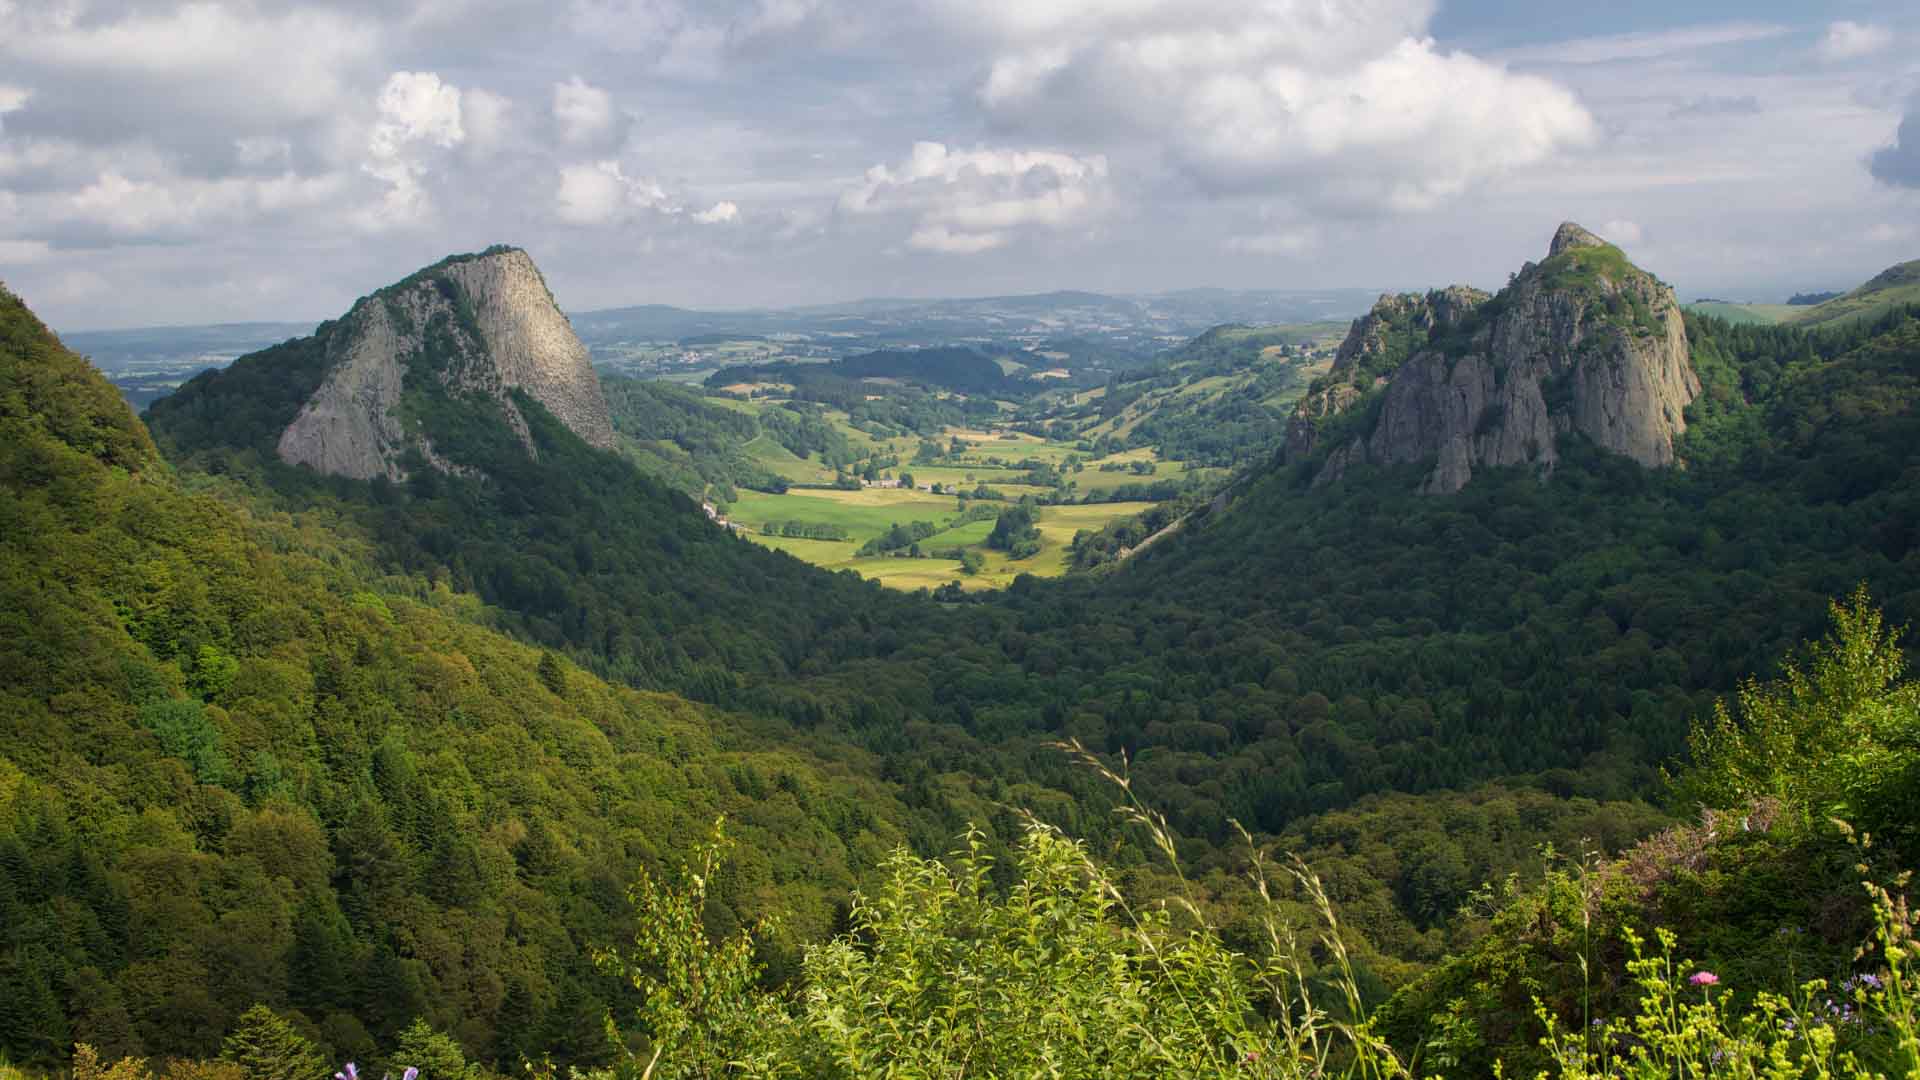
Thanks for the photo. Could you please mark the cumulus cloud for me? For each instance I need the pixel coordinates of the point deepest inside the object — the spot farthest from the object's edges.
(1899, 163)
(601, 193)
(417, 114)
(171, 207)
(965, 202)
(1848, 40)
(1340, 106)
(583, 112)
(720, 213)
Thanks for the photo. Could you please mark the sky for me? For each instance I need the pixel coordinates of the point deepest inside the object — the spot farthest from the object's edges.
(212, 161)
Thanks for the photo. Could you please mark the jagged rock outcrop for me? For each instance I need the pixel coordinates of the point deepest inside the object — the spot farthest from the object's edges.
(1375, 347)
(474, 325)
(1584, 342)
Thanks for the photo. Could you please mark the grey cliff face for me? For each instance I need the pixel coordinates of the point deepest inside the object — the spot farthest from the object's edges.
(1582, 343)
(1376, 344)
(495, 328)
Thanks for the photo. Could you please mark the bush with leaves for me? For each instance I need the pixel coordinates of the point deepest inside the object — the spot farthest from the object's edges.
(1837, 736)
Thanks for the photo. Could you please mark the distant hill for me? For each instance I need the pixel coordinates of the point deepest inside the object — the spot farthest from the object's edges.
(1890, 288)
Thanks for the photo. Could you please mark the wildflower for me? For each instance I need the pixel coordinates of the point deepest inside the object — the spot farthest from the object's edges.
(1871, 981)
(411, 1074)
(1704, 978)
(352, 1072)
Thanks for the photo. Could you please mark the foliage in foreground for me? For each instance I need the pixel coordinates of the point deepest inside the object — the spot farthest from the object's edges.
(952, 968)
(943, 974)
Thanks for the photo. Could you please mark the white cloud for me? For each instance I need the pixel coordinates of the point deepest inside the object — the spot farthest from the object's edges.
(967, 201)
(210, 59)
(487, 119)
(417, 114)
(1622, 233)
(601, 193)
(140, 207)
(1342, 107)
(1649, 45)
(1848, 40)
(584, 113)
(720, 213)
(256, 151)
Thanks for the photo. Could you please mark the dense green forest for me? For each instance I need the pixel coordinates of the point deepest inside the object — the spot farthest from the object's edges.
(266, 742)
(234, 771)
(1222, 399)
(693, 445)
(1299, 651)
(915, 394)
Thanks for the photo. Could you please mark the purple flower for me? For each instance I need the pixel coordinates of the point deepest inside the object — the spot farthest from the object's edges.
(352, 1073)
(1704, 978)
(1871, 981)
(411, 1073)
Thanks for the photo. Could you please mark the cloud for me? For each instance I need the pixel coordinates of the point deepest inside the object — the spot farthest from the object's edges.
(12, 99)
(487, 119)
(1714, 105)
(720, 213)
(1296, 241)
(172, 207)
(1899, 164)
(584, 113)
(417, 114)
(965, 202)
(1342, 107)
(22, 252)
(1649, 45)
(601, 193)
(1848, 40)
(1622, 233)
(203, 60)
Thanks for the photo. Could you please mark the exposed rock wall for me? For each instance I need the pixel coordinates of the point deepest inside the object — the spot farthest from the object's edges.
(1584, 342)
(480, 325)
(1376, 345)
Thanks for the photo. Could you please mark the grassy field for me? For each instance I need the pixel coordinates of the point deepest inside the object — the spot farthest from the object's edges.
(864, 514)
(868, 513)
(1764, 314)
(782, 462)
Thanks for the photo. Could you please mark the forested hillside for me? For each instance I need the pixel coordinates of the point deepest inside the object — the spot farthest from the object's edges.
(236, 771)
(261, 686)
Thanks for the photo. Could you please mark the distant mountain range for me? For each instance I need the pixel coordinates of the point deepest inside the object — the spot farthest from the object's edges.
(150, 362)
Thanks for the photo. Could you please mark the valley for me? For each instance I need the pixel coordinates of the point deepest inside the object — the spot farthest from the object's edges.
(402, 662)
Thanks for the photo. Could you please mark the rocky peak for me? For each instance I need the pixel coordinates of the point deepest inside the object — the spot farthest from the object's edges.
(1584, 343)
(1376, 345)
(471, 327)
(1568, 236)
